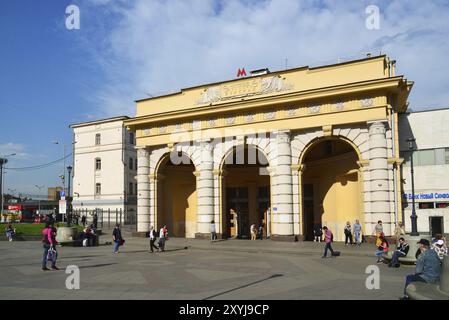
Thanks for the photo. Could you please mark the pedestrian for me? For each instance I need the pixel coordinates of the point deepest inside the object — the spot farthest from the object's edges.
(317, 233)
(49, 245)
(83, 220)
(253, 232)
(117, 238)
(163, 235)
(357, 227)
(328, 239)
(348, 233)
(378, 230)
(428, 267)
(440, 248)
(401, 251)
(399, 231)
(382, 249)
(95, 220)
(260, 231)
(153, 237)
(213, 232)
(10, 232)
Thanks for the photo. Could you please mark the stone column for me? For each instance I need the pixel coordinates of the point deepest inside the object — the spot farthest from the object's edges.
(205, 191)
(379, 184)
(281, 188)
(143, 189)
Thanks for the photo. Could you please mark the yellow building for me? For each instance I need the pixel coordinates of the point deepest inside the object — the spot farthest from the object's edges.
(287, 149)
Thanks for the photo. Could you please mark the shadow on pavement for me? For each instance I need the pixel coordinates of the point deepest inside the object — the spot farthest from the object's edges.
(244, 286)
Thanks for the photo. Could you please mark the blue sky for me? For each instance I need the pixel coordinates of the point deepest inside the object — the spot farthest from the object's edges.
(51, 77)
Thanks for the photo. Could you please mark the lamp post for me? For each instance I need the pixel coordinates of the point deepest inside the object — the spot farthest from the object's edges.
(3, 161)
(39, 199)
(69, 202)
(63, 168)
(413, 217)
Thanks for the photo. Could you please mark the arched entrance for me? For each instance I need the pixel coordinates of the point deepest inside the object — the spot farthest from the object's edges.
(176, 196)
(246, 191)
(331, 187)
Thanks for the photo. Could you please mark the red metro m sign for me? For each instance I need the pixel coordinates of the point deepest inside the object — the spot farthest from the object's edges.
(241, 73)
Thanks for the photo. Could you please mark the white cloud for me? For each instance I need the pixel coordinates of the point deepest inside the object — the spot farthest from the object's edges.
(13, 148)
(158, 46)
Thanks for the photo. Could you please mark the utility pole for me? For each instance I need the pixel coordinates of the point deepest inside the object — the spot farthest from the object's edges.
(3, 161)
(39, 195)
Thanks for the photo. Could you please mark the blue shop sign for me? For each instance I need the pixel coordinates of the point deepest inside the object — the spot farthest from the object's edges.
(427, 196)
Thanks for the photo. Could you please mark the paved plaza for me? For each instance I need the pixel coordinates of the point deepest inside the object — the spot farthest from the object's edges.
(197, 269)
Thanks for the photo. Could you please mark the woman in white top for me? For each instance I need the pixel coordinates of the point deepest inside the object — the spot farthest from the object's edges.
(153, 236)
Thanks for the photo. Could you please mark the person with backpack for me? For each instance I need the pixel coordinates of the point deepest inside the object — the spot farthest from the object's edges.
(117, 238)
(49, 245)
(382, 249)
(328, 239)
(317, 233)
(153, 237)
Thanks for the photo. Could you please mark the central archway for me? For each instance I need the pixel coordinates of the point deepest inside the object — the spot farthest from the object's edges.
(177, 195)
(246, 191)
(331, 187)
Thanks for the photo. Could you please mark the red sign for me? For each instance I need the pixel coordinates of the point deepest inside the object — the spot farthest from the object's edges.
(241, 73)
(18, 207)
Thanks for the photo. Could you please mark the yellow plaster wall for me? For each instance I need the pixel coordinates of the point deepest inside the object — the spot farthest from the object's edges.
(337, 192)
(179, 202)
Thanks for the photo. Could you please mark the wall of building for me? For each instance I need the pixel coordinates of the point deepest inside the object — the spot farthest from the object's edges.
(431, 166)
(114, 151)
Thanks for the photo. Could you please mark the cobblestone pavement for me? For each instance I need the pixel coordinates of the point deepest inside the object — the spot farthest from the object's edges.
(197, 269)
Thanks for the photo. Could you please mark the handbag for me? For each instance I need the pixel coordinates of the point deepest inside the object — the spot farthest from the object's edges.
(51, 254)
(122, 242)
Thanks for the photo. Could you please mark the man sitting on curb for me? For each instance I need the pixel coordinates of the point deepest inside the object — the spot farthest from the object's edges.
(401, 251)
(428, 267)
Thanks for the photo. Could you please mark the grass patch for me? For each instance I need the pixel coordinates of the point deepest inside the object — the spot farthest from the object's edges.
(31, 229)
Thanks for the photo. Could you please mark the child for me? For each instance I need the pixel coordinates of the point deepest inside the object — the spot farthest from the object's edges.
(382, 249)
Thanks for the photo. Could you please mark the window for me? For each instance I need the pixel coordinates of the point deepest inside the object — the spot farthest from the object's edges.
(130, 192)
(97, 189)
(97, 164)
(135, 164)
(446, 155)
(426, 157)
(442, 205)
(130, 163)
(135, 187)
(97, 139)
(426, 205)
(131, 138)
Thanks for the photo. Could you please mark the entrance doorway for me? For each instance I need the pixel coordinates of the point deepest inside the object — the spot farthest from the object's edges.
(331, 191)
(436, 226)
(246, 185)
(177, 197)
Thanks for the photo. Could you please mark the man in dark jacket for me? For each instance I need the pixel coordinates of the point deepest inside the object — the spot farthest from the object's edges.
(428, 267)
(117, 237)
(401, 251)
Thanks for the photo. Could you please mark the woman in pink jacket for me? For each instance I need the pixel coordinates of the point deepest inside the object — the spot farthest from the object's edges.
(49, 244)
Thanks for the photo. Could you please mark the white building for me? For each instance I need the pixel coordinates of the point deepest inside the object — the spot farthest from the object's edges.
(431, 169)
(105, 168)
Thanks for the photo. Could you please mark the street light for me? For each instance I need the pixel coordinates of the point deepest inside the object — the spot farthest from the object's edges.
(39, 195)
(63, 168)
(413, 217)
(69, 204)
(3, 161)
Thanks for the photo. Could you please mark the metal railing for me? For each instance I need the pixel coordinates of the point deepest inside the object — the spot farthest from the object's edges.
(107, 218)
